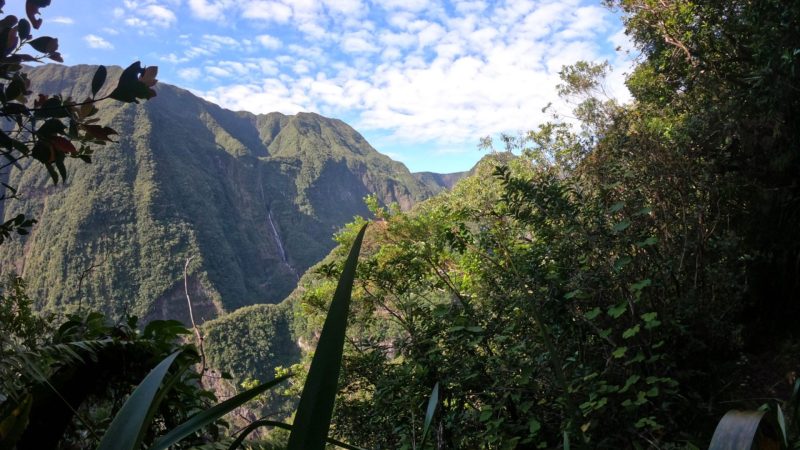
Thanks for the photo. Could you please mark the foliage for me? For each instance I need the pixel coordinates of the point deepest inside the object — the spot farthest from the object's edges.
(618, 285)
(54, 127)
(85, 369)
(166, 407)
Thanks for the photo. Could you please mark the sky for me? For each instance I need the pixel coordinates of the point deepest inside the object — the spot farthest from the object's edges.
(421, 80)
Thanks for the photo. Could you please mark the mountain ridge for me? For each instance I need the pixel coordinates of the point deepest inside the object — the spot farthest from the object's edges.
(253, 199)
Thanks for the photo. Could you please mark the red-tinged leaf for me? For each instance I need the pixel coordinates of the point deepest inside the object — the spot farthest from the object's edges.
(99, 132)
(149, 76)
(63, 145)
(32, 10)
(40, 101)
(55, 56)
(130, 87)
(12, 40)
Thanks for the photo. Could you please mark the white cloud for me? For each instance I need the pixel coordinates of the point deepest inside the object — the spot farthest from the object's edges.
(146, 13)
(268, 41)
(266, 10)
(62, 20)
(159, 15)
(190, 73)
(209, 9)
(97, 42)
(432, 74)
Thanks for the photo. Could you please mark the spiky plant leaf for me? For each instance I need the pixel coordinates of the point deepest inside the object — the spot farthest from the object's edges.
(313, 417)
(130, 423)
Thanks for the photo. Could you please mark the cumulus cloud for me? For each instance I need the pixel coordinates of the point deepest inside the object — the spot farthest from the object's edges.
(411, 70)
(147, 13)
(97, 42)
(209, 9)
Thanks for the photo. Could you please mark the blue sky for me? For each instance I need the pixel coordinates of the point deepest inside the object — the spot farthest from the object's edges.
(422, 80)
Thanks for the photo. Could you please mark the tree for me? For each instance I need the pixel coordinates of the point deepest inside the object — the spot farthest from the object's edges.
(52, 127)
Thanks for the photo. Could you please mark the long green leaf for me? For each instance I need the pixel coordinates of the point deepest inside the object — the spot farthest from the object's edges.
(313, 418)
(129, 425)
(272, 423)
(432, 403)
(208, 416)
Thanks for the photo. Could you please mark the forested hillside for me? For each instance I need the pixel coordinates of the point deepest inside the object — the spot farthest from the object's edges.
(253, 199)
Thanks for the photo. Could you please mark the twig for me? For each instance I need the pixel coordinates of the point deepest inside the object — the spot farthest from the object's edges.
(191, 317)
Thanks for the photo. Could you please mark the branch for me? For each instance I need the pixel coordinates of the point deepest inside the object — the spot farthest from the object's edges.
(197, 333)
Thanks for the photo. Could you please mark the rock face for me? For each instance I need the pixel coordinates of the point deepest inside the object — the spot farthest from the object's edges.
(254, 199)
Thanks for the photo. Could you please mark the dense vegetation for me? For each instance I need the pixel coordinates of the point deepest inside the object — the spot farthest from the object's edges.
(616, 283)
(621, 283)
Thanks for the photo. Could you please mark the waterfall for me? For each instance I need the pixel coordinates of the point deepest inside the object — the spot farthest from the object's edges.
(281, 250)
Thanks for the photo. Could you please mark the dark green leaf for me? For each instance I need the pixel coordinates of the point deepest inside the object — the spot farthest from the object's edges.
(44, 44)
(210, 415)
(313, 416)
(99, 79)
(128, 426)
(433, 401)
(62, 169)
(129, 88)
(24, 29)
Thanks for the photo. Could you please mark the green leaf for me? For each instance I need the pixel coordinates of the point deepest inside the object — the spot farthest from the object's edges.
(129, 425)
(620, 352)
(313, 417)
(44, 44)
(652, 240)
(534, 426)
(616, 207)
(99, 79)
(631, 332)
(62, 169)
(622, 262)
(621, 226)
(649, 317)
(24, 29)
(591, 315)
(130, 88)
(640, 285)
(616, 311)
(475, 329)
(208, 416)
(433, 401)
(782, 425)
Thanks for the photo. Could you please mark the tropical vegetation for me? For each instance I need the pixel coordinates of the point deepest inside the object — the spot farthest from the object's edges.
(618, 278)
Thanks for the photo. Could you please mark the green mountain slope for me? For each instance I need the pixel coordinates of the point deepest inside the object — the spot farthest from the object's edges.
(254, 199)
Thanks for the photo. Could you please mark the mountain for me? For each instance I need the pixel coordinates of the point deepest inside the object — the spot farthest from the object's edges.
(252, 199)
(438, 182)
